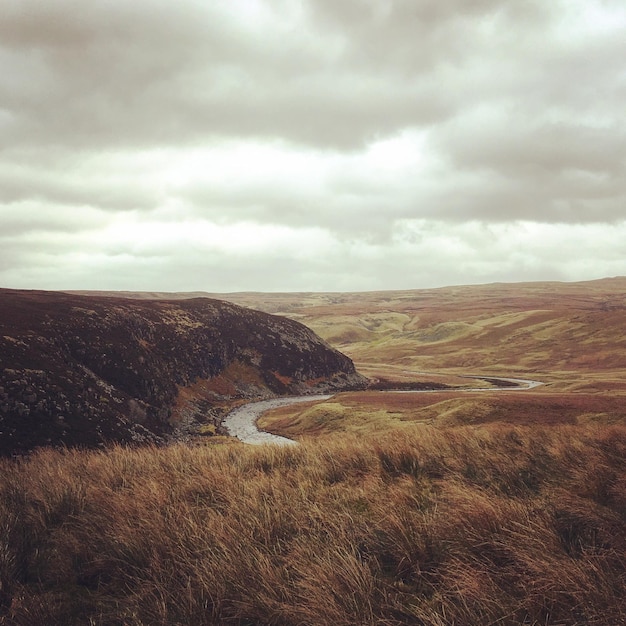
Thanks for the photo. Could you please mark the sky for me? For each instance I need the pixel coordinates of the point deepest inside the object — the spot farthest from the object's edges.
(310, 145)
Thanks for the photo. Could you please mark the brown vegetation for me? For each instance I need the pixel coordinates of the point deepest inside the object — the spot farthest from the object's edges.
(557, 331)
(456, 526)
(381, 411)
(88, 371)
(444, 508)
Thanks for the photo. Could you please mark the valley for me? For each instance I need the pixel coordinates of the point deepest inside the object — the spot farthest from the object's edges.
(450, 489)
(569, 336)
(92, 371)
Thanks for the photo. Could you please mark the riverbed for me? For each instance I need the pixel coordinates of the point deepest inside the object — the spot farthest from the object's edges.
(241, 422)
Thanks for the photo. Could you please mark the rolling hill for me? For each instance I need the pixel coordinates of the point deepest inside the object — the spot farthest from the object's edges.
(78, 370)
(449, 507)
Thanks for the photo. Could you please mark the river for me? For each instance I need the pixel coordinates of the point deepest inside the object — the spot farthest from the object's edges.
(241, 422)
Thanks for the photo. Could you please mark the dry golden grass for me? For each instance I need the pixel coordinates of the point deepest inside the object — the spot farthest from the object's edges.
(560, 332)
(431, 509)
(374, 411)
(465, 526)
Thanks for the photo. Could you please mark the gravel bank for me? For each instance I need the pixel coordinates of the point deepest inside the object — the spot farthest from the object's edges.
(241, 422)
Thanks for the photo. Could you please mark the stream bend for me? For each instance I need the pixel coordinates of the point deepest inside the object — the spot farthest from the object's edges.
(242, 421)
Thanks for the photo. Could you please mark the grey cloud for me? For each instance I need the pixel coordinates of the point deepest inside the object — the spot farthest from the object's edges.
(164, 72)
(541, 171)
(24, 219)
(59, 185)
(356, 214)
(402, 35)
(520, 105)
(545, 148)
(123, 74)
(339, 75)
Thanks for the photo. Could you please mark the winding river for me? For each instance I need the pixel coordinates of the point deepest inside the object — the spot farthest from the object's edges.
(242, 421)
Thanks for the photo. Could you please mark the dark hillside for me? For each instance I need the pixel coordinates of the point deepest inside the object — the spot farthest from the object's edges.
(89, 370)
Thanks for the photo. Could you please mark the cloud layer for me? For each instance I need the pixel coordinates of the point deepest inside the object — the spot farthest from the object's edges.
(274, 145)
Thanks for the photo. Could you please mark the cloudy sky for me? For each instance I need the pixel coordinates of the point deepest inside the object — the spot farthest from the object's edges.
(310, 145)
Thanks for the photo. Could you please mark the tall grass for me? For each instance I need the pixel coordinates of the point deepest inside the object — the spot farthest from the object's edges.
(488, 525)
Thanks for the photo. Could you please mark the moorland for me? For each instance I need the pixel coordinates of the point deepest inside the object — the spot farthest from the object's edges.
(569, 336)
(457, 507)
(91, 371)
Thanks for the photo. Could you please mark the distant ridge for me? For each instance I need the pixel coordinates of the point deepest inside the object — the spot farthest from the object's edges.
(617, 283)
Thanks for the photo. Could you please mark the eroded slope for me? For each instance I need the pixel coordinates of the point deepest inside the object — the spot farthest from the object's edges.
(87, 370)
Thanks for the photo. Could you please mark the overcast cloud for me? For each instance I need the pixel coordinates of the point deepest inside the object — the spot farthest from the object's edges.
(310, 144)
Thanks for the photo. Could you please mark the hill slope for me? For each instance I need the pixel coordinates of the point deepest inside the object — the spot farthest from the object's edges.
(88, 370)
(563, 330)
(554, 328)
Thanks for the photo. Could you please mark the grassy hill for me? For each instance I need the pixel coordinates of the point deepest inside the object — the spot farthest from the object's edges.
(451, 507)
(78, 370)
(429, 526)
(554, 329)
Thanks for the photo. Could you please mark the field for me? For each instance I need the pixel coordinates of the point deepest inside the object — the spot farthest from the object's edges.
(570, 336)
(432, 526)
(446, 508)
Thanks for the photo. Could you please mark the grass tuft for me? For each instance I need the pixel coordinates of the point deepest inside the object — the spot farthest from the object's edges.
(467, 525)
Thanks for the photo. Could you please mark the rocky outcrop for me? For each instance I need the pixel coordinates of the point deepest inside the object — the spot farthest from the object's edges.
(77, 370)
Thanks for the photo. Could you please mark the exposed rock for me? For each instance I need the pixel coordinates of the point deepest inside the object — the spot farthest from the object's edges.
(78, 370)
